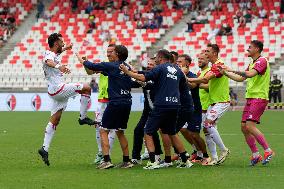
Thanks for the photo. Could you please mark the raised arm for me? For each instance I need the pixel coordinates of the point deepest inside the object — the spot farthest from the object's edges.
(62, 68)
(128, 72)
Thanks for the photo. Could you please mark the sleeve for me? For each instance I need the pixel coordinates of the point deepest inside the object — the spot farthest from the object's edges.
(149, 86)
(153, 74)
(260, 66)
(135, 84)
(48, 56)
(215, 70)
(103, 66)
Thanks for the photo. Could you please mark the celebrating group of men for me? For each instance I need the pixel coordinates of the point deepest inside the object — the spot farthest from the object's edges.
(176, 101)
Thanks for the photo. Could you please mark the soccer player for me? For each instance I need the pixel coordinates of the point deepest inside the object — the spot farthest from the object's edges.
(149, 94)
(191, 131)
(167, 78)
(59, 92)
(118, 109)
(257, 75)
(102, 104)
(205, 103)
(219, 97)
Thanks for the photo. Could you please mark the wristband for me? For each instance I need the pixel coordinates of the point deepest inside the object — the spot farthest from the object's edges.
(57, 66)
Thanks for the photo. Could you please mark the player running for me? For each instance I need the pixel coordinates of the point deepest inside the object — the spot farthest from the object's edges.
(257, 76)
(59, 92)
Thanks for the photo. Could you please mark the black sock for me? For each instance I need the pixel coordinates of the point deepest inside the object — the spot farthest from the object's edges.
(205, 155)
(126, 159)
(168, 159)
(183, 156)
(106, 158)
(152, 156)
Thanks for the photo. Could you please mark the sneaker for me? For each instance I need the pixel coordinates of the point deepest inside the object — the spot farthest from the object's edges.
(223, 156)
(205, 161)
(267, 157)
(150, 166)
(145, 156)
(213, 162)
(99, 158)
(87, 121)
(44, 156)
(105, 165)
(125, 165)
(255, 160)
(187, 164)
(165, 165)
(136, 161)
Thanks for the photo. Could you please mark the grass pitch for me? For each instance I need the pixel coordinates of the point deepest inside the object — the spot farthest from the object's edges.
(74, 147)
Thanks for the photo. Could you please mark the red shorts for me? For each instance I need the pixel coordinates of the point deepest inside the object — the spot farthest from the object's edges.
(254, 109)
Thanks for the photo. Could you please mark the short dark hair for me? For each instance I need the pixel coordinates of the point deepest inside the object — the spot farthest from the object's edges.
(53, 38)
(258, 44)
(186, 57)
(111, 45)
(122, 52)
(174, 53)
(215, 47)
(165, 54)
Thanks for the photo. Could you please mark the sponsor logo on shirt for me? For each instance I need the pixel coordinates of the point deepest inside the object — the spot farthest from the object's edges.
(172, 71)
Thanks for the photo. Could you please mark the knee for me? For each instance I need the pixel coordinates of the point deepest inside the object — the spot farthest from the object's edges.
(244, 128)
(209, 123)
(86, 89)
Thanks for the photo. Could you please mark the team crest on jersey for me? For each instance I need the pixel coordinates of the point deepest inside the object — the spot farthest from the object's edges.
(11, 102)
(36, 102)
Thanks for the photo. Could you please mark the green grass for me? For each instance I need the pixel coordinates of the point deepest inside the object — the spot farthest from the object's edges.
(74, 147)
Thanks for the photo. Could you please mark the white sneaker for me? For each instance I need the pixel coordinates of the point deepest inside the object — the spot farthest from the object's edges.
(136, 161)
(165, 165)
(187, 164)
(151, 166)
(145, 156)
(224, 154)
(99, 158)
(213, 162)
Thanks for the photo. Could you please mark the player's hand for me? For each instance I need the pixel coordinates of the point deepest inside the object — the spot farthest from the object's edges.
(80, 58)
(69, 46)
(64, 69)
(123, 68)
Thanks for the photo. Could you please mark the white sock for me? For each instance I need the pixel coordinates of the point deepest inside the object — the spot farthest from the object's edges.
(194, 147)
(216, 138)
(84, 105)
(49, 132)
(199, 154)
(211, 146)
(255, 154)
(111, 137)
(267, 150)
(98, 137)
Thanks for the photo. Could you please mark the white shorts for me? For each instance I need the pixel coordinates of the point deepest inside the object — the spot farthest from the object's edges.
(60, 98)
(216, 111)
(100, 110)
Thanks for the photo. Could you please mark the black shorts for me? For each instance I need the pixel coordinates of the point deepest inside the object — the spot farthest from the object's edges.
(184, 117)
(194, 124)
(116, 116)
(164, 119)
